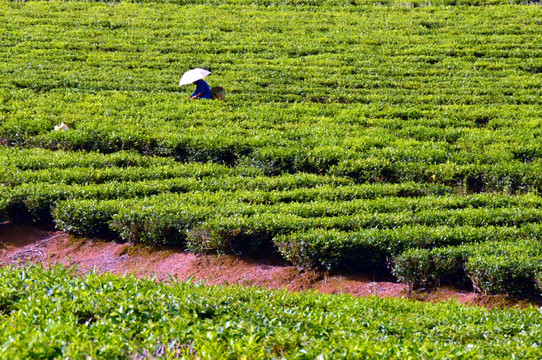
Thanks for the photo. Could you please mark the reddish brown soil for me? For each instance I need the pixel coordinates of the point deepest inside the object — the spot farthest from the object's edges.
(23, 243)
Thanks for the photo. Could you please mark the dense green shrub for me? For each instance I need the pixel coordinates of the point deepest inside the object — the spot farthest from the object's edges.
(509, 267)
(431, 267)
(374, 248)
(352, 130)
(41, 159)
(5, 202)
(55, 313)
(86, 217)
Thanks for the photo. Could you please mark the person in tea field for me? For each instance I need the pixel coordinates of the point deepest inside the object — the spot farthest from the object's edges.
(196, 76)
(203, 91)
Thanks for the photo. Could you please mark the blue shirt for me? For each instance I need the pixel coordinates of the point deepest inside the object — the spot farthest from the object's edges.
(203, 88)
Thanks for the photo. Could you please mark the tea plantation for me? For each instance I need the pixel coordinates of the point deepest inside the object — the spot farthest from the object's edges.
(53, 314)
(386, 137)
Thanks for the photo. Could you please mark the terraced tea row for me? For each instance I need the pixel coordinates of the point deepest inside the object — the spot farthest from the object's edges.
(352, 235)
(35, 180)
(53, 313)
(314, 221)
(511, 267)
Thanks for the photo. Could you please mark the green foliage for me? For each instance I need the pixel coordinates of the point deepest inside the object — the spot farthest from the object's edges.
(40, 159)
(86, 217)
(509, 267)
(5, 202)
(56, 314)
(372, 249)
(506, 268)
(431, 267)
(245, 220)
(382, 94)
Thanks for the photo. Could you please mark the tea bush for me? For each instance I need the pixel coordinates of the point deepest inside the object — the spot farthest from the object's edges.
(55, 313)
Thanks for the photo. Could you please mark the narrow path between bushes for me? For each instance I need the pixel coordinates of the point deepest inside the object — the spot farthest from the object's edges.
(22, 243)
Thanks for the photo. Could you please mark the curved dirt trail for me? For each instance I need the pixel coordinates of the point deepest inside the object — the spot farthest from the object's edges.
(22, 243)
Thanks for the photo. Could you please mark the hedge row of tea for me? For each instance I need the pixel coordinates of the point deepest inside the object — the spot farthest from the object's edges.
(362, 234)
(312, 220)
(492, 267)
(55, 314)
(354, 136)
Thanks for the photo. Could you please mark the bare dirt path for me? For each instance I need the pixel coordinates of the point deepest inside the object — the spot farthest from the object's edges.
(22, 243)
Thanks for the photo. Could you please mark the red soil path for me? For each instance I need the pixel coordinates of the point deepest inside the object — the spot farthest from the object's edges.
(22, 243)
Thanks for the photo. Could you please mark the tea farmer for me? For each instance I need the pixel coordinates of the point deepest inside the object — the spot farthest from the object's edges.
(203, 91)
(196, 76)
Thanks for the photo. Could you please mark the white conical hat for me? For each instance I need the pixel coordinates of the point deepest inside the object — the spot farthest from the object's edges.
(193, 75)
